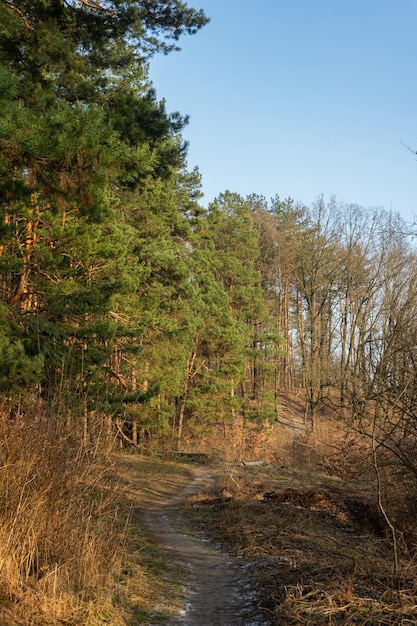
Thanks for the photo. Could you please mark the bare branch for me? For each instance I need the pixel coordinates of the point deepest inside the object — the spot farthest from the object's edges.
(120, 378)
(408, 147)
(20, 13)
(97, 6)
(125, 437)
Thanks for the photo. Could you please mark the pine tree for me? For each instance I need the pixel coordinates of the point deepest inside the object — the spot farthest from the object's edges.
(81, 134)
(237, 251)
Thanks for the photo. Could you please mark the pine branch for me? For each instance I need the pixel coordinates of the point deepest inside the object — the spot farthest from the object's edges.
(20, 13)
(98, 7)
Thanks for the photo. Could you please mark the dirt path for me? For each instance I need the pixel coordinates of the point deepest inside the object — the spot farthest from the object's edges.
(217, 589)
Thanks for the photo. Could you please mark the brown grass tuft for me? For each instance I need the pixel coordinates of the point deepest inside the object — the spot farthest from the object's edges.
(59, 543)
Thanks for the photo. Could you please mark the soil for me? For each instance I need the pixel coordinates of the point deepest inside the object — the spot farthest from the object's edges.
(289, 542)
(202, 584)
(216, 588)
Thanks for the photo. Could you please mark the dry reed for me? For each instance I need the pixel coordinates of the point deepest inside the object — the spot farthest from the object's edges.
(59, 544)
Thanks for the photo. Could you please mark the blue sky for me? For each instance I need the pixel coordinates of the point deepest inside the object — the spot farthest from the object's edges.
(300, 98)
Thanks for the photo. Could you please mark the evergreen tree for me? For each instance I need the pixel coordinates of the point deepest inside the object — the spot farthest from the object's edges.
(236, 268)
(81, 136)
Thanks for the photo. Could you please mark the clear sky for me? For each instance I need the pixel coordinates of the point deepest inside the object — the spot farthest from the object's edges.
(300, 98)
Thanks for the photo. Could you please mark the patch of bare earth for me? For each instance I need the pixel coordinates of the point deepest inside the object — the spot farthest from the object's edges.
(195, 582)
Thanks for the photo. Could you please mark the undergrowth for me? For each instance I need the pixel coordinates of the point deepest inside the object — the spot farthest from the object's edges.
(319, 550)
(318, 544)
(60, 540)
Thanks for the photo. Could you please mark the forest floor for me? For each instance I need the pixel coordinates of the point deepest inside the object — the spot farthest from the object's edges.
(229, 544)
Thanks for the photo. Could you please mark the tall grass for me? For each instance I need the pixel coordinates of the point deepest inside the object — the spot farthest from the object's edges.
(60, 545)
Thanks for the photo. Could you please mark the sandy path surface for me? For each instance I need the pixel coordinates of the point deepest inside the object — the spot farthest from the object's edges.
(217, 589)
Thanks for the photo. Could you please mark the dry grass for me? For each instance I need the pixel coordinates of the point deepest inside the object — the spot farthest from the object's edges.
(150, 588)
(318, 546)
(60, 545)
(317, 542)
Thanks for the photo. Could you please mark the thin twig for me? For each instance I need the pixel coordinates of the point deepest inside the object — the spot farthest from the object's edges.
(408, 147)
(382, 508)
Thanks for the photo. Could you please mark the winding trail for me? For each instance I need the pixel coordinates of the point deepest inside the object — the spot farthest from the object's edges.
(217, 588)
